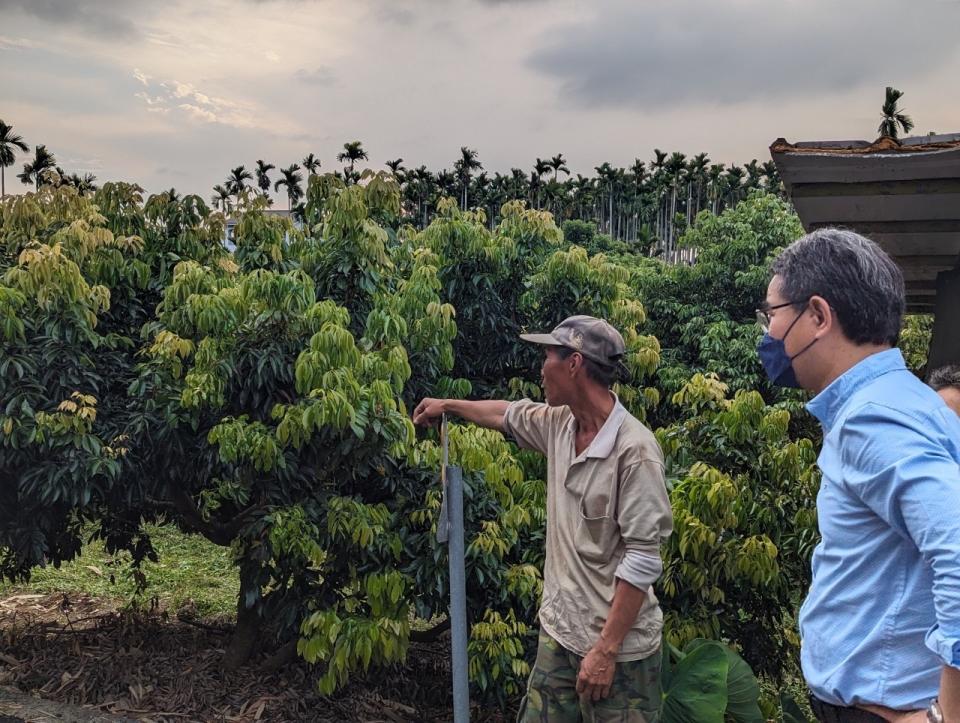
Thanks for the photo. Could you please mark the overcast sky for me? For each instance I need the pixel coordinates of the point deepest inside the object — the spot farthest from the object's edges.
(175, 93)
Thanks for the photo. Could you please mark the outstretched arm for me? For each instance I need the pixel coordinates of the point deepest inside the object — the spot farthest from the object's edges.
(485, 413)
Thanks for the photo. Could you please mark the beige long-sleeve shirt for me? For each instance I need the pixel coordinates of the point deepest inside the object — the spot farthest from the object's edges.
(606, 501)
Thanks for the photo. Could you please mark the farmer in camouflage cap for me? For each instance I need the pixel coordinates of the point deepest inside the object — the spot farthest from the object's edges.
(607, 512)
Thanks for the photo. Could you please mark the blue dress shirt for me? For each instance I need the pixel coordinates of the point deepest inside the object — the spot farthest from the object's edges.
(883, 612)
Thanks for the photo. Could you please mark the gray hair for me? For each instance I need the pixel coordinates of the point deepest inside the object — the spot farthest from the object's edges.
(943, 377)
(858, 279)
(603, 375)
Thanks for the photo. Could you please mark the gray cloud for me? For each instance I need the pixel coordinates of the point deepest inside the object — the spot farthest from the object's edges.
(16, 43)
(397, 15)
(105, 18)
(322, 76)
(655, 55)
(166, 171)
(81, 163)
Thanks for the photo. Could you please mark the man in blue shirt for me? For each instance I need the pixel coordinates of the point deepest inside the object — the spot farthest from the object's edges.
(881, 623)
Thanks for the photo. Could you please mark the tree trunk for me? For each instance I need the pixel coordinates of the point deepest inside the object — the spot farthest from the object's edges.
(673, 215)
(245, 636)
(284, 655)
(662, 213)
(431, 635)
(610, 227)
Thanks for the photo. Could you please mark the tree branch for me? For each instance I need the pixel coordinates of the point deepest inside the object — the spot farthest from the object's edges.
(428, 636)
(217, 532)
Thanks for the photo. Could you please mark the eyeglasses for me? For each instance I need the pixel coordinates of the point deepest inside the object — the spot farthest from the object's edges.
(763, 314)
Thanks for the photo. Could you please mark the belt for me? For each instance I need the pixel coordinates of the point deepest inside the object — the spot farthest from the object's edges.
(827, 713)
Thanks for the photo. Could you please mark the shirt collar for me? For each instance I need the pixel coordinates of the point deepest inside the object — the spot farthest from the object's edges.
(827, 405)
(602, 445)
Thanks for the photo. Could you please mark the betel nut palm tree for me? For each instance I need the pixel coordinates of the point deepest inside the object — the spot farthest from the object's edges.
(352, 152)
(311, 163)
(291, 180)
(237, 180)
(263, 177)
(558, 163)
(10, 143)
(43, 160)
(464, 168)
(893, 117)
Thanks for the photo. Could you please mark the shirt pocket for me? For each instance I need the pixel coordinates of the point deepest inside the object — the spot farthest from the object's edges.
(596, 533)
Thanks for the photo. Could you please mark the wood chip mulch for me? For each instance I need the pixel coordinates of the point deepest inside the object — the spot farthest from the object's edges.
(147, 666)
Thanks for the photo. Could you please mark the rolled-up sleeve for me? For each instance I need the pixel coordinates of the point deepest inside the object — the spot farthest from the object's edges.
(640, 569)
(531, 424)
(645, 520)
(915, 487)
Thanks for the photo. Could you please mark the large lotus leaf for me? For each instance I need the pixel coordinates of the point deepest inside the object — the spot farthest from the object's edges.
(669, 653)
(698, 687)
(743, 690)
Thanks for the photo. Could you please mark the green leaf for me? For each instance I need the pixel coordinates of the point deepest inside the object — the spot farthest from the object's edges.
(791, 711)
(743, 690)
(698, 687)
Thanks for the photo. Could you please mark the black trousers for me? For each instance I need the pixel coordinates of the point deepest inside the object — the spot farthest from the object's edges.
(827, 713)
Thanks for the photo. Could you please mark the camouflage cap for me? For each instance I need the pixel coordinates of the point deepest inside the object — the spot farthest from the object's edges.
(594, 338)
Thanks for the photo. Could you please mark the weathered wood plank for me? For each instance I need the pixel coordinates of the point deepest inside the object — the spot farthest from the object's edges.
(921, 285)
(848, 210)
(918, 244)
(918, 227)
(927, 261)
(913, 275)
(830, 167)
(913, 187)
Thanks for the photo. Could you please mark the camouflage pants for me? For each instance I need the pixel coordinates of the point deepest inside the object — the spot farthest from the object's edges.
(552, 690)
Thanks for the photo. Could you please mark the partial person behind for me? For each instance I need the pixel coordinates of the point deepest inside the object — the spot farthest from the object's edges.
(946, 382)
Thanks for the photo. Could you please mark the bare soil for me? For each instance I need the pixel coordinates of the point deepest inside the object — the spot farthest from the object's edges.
(78, 658)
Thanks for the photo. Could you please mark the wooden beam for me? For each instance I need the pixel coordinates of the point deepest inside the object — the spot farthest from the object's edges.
(926, 186)
(941, 263)
(869, 228)
(835, 167)
(852, 210)
(932, 243)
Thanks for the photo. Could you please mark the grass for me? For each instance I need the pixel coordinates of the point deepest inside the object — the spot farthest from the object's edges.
(191, 572)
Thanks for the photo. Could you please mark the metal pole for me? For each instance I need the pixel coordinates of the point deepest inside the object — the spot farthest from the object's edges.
(458, 599)
(453, 487)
